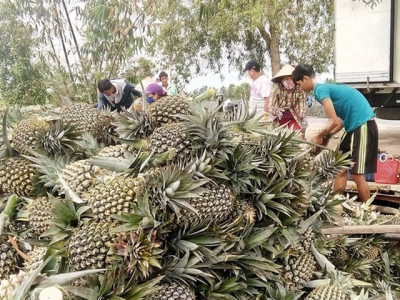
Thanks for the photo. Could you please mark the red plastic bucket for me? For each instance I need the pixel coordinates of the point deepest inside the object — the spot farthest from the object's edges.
(387, 169)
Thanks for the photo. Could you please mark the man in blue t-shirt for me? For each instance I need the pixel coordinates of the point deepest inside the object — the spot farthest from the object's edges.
(345, 107)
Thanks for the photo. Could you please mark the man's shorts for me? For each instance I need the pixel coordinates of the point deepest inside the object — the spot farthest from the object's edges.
(362, 143)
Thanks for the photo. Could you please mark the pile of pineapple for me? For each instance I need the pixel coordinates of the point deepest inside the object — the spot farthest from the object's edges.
(181, 201)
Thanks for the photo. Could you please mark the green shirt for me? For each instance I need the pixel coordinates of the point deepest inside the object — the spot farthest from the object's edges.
(350, 105)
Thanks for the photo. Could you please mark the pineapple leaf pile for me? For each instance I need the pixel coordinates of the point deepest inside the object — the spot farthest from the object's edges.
(181, 201)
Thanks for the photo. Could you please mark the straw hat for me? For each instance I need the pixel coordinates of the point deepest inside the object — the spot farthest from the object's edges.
(286, 70)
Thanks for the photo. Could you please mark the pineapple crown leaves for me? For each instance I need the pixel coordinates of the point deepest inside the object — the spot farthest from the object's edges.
(330, 164)
(188, 270)
(48, 168)
(244, 167)
(132, 124)
(226, 289)
(279, 292)
(112, 285)
(169, 188)
(87, 146)
(133, 164)
(277, 149)
(61, 138)
(66, 217)
(241, 119)
(139, 252)
(8, 211)
(206, 130)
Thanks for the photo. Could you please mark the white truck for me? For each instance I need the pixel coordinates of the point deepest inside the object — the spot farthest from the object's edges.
(367, 52)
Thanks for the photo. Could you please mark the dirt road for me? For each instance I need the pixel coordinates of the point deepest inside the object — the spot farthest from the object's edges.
(389, 134)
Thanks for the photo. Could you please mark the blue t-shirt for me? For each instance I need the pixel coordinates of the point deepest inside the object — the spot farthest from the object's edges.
(350, 105)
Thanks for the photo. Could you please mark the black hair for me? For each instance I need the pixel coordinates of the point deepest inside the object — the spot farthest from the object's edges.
(302, 70)
(162, 74)
(104, 85)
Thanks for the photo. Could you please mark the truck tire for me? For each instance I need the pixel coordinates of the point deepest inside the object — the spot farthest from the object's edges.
(388, 113)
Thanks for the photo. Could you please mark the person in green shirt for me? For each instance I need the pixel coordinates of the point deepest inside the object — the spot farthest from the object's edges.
(345, 107)
(170, 89)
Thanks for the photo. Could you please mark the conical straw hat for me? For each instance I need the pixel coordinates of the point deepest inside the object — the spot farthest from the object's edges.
(286, 70)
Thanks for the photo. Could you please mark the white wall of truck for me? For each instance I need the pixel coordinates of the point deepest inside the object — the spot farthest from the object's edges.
(367, 52)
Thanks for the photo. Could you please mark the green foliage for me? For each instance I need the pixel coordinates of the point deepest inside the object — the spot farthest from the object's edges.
(21, 75)
(234, 31)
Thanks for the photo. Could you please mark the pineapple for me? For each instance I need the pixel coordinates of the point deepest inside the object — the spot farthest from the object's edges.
(337, 289)
(28, 133)
(117, 151)
(131, 124)
(167, 186)
(39, 214)
(171, 136)
(167, 109)
(84, 117)
(17, 176)
(114, 197)
(61, 139)
(80, 176)
(90, 246)
(328, 292)
(299, 269)
(9, 258)
(36, 255)
(171, 291)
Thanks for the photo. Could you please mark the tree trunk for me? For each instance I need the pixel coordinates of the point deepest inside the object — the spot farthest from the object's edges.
(272, 41)
(274, 49)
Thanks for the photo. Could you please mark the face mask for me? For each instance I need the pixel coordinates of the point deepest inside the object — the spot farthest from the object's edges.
(149, 99)
(288, 84)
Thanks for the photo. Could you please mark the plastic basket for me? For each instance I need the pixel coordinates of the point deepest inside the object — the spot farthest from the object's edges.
(387, 169)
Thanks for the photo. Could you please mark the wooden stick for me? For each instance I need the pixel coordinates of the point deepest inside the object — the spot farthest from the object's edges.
(385, 209)
(392, 236)
(362, 229)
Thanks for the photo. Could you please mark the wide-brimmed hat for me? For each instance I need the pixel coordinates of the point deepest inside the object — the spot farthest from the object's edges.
(286, 70)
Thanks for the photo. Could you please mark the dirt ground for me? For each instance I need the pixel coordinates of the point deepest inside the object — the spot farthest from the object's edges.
(389, 134)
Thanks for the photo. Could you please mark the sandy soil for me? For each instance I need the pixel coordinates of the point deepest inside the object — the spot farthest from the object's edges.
(389, 134)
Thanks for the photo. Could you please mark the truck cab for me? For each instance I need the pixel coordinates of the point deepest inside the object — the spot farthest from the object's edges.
(367, 52)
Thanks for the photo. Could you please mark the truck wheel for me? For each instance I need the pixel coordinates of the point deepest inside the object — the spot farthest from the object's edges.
(388, 113)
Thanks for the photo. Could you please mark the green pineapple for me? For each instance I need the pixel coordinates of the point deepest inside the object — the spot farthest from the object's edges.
(90, 246)
(117, 151)
(167, 110)
(80, 176)
(39, 214)
(9, 258)
(17, 176)
(84, 117)
(171, 136)
(113, 197)
(171, 291)
(28, 133)
(338, 288)
(299, 269)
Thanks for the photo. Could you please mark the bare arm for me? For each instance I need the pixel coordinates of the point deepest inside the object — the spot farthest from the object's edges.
(266, 104)
(335, 125)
